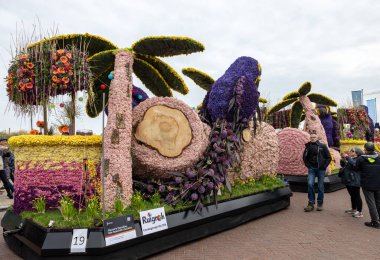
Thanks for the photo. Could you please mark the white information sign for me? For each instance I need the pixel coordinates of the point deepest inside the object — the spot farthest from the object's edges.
(153, 220)
(79, 241)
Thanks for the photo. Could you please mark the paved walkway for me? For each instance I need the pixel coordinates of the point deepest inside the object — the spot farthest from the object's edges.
(288, 234)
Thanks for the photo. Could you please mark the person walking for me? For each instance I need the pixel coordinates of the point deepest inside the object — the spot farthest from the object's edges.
(3, 166)
(317, 158)
(9, 160)
(369, 168)
(351, 178)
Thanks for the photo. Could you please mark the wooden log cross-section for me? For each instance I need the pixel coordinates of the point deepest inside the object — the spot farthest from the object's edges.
(167, 136)
(165, 129)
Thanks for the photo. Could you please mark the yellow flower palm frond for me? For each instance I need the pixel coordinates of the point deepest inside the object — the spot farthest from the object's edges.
(321, 99)
(94, 103)
(263, 100)
(151, 78)
(281, 105)
(167, 46)
(172, 78)
(200, 78)
(101, 62)
(304, 89)
(296, 114)
(92, 43)
(290, 95)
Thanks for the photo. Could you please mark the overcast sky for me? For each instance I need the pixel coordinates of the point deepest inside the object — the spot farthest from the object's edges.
(333, 44)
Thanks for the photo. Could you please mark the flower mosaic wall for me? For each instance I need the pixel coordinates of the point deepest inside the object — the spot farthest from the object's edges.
(53, 166)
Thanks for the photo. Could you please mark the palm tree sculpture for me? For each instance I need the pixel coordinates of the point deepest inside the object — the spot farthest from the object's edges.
(156, 75)
(302, 101)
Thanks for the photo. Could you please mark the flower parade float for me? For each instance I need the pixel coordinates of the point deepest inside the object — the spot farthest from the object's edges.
(161, 156)
(292, 140)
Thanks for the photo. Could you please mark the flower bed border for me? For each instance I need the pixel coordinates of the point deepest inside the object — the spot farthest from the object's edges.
(299, 183)
(36, 242)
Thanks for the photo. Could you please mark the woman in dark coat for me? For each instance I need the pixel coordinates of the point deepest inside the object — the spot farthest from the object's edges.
(351, 178)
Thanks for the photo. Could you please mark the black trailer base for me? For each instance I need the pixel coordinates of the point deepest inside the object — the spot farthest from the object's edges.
(33, 241)
(299, 183)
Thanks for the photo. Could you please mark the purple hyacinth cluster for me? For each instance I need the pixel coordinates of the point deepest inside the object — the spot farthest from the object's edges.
(327, 122)
(244, 70)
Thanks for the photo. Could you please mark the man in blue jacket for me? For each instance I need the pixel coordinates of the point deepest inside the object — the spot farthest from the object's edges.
(369, 168)
(316, 158)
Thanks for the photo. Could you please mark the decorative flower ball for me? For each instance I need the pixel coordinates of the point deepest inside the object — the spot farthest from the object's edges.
(349, 135)
(40, 123)
(33, 132)
(103, 87)
(80, 98)
(61, 105)
(52, 106)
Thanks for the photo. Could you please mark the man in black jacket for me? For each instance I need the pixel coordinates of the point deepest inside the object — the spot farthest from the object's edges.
(316, 158)
(369, 168)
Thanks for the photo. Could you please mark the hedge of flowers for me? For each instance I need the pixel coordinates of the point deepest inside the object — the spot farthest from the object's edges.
(54, 166)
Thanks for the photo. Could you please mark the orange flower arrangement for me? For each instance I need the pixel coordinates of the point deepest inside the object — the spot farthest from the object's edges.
(26, 74)
(34, 132)
(40, 123)
(65, 80)
(64, 59)
(63, 129)
(62, 70)
(30, 65)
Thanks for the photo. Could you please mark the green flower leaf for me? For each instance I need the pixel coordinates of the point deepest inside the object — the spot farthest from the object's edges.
(92, 43)
(304, 89)
(172, 78)
(101, 62)
(293, 94)
(281, 105)
(200, 78)
(151, 78)
(167, 46)
(295, 114)
(320, 99)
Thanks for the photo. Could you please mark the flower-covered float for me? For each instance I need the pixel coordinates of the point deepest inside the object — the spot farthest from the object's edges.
(200, 169)
(292, 140)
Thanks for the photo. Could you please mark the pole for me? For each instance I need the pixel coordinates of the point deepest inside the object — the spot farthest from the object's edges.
(103, 190)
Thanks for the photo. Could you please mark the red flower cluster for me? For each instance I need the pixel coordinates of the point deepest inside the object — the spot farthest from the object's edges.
(62, 69)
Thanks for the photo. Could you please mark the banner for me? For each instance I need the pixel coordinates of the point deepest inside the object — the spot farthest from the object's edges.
(372, 109)
(357, 98)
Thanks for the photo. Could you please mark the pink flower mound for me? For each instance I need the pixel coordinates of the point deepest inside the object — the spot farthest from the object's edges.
(261, 154)
(117, 143)
(33, 180)
(292, 145)
(148, 162)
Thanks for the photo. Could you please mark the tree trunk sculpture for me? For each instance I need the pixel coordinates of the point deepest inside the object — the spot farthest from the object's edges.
(118, 162)
(312, 121)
